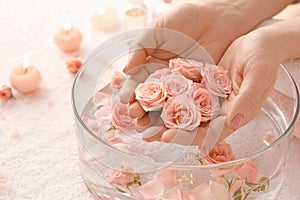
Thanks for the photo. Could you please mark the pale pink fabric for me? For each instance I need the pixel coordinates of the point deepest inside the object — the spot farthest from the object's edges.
(44, 155)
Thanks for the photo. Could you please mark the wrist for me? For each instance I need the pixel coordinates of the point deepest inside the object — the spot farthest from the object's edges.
(244, 15)
(284, 38)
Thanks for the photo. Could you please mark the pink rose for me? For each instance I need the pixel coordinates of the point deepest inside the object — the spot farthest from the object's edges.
(207, 103)
(248, 171)
(120, 116)
(190, 69)
(5, 93)
(158, 74)
(181, 113)
(74, 64)
(122, 176)
(117, 81)
(221, 152)
(176, 84)
(151, 95)
(217, 80)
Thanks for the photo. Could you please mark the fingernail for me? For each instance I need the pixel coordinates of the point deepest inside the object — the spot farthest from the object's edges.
(236, 121)
(125, 70)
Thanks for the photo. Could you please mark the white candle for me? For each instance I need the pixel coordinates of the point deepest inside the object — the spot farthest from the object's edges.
(136, 16)
(105, 17)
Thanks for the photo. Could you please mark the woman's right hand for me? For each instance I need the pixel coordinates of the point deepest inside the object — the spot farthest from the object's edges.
(253, 61)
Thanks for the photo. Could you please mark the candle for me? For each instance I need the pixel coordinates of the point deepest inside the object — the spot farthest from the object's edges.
(162, 8)
(25, 78)
(105, 17)
(136, 15)
(68, 38)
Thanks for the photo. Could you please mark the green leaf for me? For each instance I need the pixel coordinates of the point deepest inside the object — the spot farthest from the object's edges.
(238, 194)
(261, 186)
(111, 128)
(200, 161)
(251, 184)
(120, 190)
(228, 183)
(264, 184)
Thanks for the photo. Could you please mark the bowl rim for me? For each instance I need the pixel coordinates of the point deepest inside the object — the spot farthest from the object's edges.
(250, 156)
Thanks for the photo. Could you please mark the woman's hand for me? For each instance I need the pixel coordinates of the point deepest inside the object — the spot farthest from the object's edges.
(253, 61)
(212, 25)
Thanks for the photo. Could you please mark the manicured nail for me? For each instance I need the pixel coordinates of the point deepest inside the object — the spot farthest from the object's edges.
(236, 121)
(125, 70)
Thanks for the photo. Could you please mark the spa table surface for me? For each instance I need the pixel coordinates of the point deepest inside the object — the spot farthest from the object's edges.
(38, 152)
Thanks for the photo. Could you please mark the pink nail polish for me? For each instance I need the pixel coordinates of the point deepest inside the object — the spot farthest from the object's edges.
(236, 121)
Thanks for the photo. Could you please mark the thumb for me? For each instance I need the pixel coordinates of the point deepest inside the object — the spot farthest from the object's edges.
(253, 91)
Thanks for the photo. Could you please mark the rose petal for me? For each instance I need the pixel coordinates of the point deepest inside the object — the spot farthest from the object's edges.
(152, 189)
(202, 191)
(168, 177)
(248, 171)
(269, 139)
(219, 191)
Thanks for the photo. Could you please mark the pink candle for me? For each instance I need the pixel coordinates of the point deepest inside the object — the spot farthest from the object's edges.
(25, 78)
(68, 38)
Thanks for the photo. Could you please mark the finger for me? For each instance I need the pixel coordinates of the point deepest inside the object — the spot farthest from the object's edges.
(136, 110)
(153, 133)
(143, 123)
(253, 92)
(160, 63)
(149, 119)
(216, 131)
(127, 90)
(209, 135)
(136, 58)
(136, 75)
(179, 136)
(152, 60)
(162, 43)
(146, 45)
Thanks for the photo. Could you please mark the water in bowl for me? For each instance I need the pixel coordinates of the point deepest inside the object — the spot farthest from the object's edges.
(245, 142)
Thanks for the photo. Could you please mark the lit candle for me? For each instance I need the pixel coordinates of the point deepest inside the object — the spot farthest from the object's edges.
(25, 78)
(68, 38)
(105, 17)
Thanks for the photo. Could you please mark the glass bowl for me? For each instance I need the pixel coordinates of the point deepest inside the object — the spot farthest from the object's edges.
(156, 170)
